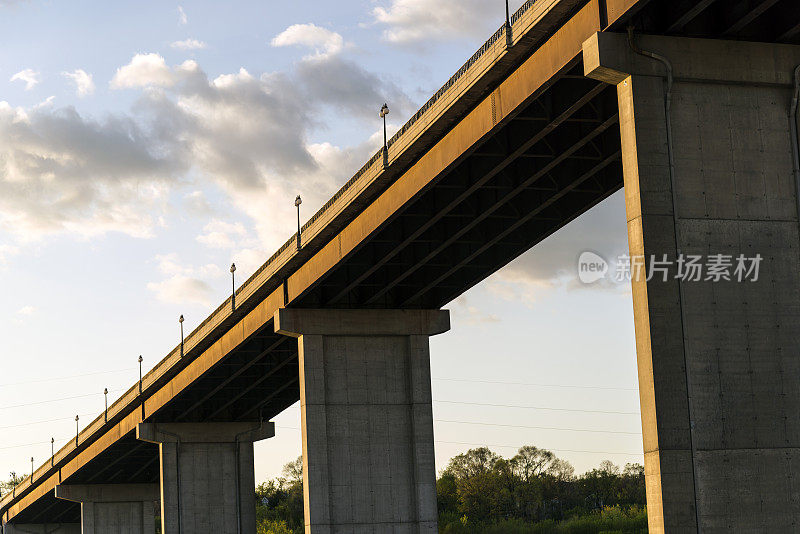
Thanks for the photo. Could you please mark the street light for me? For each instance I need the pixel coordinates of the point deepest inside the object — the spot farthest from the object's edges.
(180, 320)
(297, 203)
(76, 430)
(140, 373)
(105, 393)
(233, 286)
(508, 27)
(52, 451)
(382, 114)
(31, 469)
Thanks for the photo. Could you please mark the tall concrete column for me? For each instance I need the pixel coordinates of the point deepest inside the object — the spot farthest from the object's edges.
(367, 423)
(206, 471)
(41, 528)
(114, 508)
(719, 372)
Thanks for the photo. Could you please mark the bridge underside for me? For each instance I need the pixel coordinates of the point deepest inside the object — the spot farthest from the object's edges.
(557, 156)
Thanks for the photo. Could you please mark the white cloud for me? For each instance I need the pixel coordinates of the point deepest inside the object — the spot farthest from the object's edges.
(26, 310)
(144, 70)
(221, 234)
(184, 284)
(188, 44)
(29, 76)
(182, 16)
(415, 21)
(325, 43)
(84, 85)
(239, 138)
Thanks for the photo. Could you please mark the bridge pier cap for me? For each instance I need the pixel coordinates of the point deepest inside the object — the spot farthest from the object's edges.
(296, 322)
(708, 171)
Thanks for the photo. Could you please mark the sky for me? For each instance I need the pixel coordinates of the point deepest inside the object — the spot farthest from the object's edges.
(145, 146)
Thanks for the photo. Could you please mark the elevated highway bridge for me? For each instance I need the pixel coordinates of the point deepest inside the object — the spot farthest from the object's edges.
(557, 111)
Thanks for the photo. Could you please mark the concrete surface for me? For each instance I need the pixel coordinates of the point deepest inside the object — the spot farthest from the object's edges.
(201, 465)
(719, 376)
(49, 528)
(367, 422)
(114, 508)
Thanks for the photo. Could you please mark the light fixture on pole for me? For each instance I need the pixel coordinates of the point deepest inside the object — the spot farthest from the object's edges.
(180, 320)
(31, 469)
(105, 393)
(52, 451)
(233, 286)
(140, 373)
(382, 114)
(76, 430)
(297, 203)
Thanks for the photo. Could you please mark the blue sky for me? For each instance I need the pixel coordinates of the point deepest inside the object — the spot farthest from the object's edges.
(144, 146)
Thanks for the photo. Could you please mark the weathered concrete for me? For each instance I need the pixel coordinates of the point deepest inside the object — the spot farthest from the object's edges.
(207, 479)
(718, 361)
(367, 422)
(49, 528)
(114, 508)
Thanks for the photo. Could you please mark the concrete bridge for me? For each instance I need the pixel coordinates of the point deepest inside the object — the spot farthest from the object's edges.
(694, 113)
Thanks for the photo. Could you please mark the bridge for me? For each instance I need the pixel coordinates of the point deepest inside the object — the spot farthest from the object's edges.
(692, 111)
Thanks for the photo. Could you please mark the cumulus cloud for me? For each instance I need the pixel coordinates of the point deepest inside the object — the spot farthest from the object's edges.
(188, 44)
(60, 172)
(414, 21)
(554, 261)
(325, 42)
(29, 76)
(184, 284)
(144, 70)
(221, 234)
(84, 85)
(241, 137)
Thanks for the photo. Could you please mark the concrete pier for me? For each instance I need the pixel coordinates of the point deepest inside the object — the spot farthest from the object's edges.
(206, 471)
(365, 396)
(114, 508)
(719, 373)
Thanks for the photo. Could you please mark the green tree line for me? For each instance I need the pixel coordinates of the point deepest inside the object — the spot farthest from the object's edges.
(480, 492)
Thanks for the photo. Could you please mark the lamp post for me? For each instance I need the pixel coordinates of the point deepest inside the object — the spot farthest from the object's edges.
(140, 373)
(180, 320)
(52, 451)
(508, 27)
(31, 469)
(233, 287)
(76, 430)
(297, 203)
(105, 394)
(382, 114)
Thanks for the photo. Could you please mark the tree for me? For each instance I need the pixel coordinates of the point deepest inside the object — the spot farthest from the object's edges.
(9, 485)
(532, 462)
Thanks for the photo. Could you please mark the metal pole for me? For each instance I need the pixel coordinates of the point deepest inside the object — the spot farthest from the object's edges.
(76, 430)
(105, 393)
(31, 469)
(233, 287)
(297, 202)
(52, 451)
(140, 373)
(180, 320)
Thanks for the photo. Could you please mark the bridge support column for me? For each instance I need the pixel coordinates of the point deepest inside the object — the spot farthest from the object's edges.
(114, 508)
(207, 479)
(718, 360)
(42, 528)
(365, 400)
